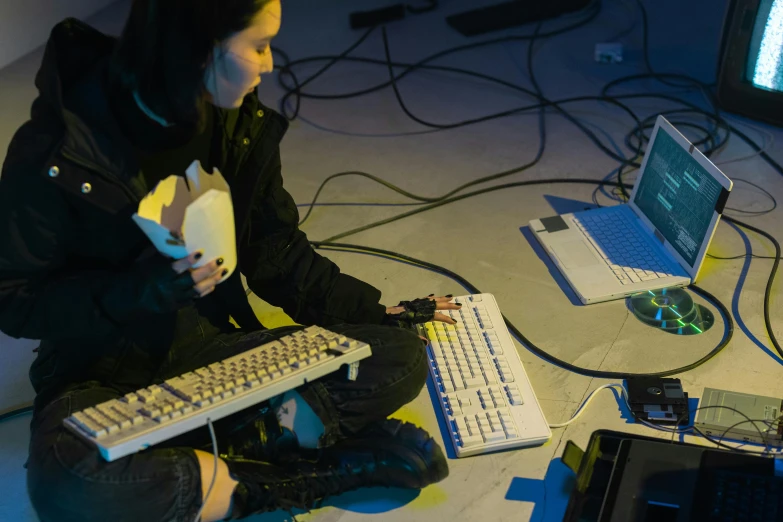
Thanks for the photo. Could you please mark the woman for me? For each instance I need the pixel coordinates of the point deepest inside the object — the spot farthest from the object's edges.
(113, 118)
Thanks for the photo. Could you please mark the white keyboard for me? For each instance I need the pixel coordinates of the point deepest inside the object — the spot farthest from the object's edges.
(134, 422)
(482, 387)
(630, 257)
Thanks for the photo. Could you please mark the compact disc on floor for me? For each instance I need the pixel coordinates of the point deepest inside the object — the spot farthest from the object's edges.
(666, 308)
(700, 324)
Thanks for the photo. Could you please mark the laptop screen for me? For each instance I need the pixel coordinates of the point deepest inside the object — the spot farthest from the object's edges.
(677, 195)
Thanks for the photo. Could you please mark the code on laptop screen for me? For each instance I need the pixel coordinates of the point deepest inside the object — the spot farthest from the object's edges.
(677, 195)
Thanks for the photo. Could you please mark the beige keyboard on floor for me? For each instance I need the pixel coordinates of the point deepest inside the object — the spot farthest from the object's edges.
(138, 420)
(484, 393)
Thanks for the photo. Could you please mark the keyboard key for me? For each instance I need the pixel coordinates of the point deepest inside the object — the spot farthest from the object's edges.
(89, 425)
(494, 436)
(461, 426)
(471, 440)
(474, 381)
(149, 411)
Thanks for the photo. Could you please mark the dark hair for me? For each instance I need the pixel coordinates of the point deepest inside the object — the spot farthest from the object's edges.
(165, 46)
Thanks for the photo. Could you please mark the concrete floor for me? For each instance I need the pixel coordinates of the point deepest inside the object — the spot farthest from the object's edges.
(484, 238)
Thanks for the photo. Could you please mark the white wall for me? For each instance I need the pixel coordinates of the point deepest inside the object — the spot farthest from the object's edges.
(25, 24)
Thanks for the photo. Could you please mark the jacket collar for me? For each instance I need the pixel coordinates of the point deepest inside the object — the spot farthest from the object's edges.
(70, 81)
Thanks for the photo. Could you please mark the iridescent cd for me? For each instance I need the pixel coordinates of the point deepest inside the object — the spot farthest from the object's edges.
(666, 308)
(673, 311)
(702, 322)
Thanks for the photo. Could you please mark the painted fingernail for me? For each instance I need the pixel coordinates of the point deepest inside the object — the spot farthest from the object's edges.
(449, 295)
(219, 261)
(458, 304)
(225, 272)
(431, 295)
(198, 256)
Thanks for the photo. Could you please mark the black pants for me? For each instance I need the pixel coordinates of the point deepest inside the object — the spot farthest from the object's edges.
(68, 480)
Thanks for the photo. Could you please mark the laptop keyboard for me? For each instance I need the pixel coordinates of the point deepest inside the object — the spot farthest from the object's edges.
(740, 497)
(631, 259)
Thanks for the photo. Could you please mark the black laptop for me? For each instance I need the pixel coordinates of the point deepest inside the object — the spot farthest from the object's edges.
(663, 482)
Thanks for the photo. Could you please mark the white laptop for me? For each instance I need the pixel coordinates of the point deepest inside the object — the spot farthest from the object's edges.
(656, 240)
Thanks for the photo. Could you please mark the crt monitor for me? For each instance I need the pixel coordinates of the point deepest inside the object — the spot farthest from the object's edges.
(750, 78)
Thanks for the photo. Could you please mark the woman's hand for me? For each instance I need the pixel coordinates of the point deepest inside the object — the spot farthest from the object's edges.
(162, 286)
(205, 278)
(409, 313)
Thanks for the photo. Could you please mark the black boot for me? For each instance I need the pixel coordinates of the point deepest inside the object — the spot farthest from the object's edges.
(390, 454)
(255, 435)
(394, 453)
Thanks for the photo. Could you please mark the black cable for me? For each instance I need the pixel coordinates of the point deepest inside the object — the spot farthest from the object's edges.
(711, 407)
(719, 122)
(720, 444)
(702, 86)
(694, 109)
(419, 120)
(393, 83)
(297, 84)
(465, 196)
(553, 104)
(509, 112)
(421, 63)
(770, 281)
(740, 257)
(484, 179)
(774, 164)
(297, 90)
(753, 422)
(756, 212)
(685, 430)
(729, 324)
(755, 146)
(716, 144)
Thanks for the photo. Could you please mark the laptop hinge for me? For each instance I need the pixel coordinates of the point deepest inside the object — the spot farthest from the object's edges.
(660, 236)
(721, 203)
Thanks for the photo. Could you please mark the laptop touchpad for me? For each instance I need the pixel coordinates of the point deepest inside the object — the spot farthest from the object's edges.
(575, 254)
